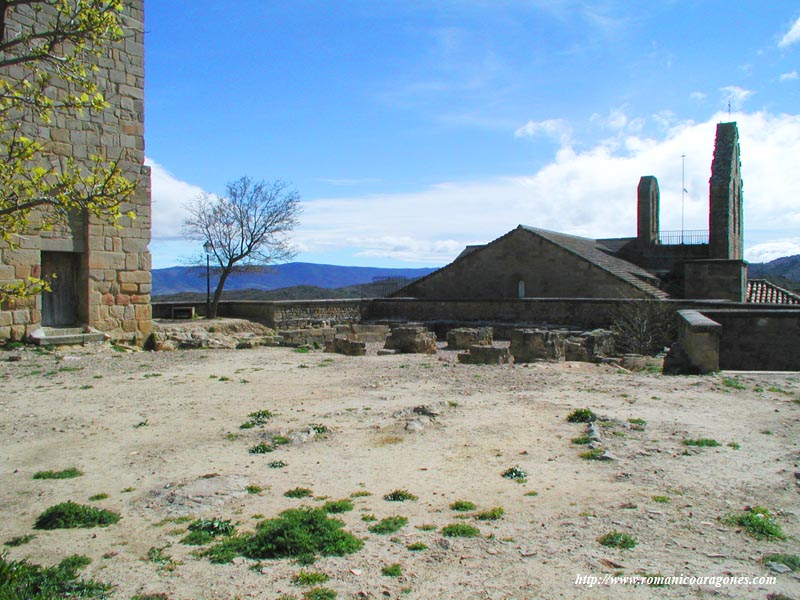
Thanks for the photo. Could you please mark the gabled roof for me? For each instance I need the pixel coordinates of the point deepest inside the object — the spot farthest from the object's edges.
(761, 291)
(601, 256)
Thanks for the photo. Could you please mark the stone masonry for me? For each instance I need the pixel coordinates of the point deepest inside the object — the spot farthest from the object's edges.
(110, 266)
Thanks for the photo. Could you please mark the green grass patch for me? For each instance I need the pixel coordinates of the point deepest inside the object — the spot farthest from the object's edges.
(203, 531)
(757, 521)
(593, 454)
(256, 419)
(65, 474)
(280, 440)
(400, 496)
(160, 557)
(369, 518)
(493, 514)
(98, 497)
(298, 492)
(254, 489)
(320, 593)
(733, 383)
(662, 499)
(69, 515)
(582, 440)
(462, 506)
(337, 506)
(702, 443)
(416, 547)
(21, 580)
(297, 533)
(581, 415)
(277, 464)
(20, 540)
(427, 527)
(388, 525)
(393, 570)
(460, 530)
(734, 445)
(302, 350)
(617, 539)
(309, 578)
(790, 560)
(532, 493)
(361, 494)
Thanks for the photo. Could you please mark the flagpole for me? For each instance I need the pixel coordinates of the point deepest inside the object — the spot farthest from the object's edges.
(683, 191)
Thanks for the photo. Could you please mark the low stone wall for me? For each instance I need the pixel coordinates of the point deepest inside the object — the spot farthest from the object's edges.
(698, 339)
(758, 340)
(279, 314)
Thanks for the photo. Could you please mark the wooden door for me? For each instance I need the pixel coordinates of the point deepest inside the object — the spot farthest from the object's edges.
(60, 306)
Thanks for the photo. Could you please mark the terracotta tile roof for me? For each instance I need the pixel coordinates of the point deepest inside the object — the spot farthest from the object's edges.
(761, 291)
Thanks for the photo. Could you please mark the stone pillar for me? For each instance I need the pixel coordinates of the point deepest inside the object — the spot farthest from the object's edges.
(648, 208)
(725, 196)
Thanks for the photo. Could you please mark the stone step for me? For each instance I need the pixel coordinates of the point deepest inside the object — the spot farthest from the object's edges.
(66, 336)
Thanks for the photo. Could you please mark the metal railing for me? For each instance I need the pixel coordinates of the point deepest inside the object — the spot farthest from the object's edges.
(685, 237)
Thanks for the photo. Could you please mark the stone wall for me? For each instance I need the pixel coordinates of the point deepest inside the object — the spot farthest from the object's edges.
(279, 314)
(113, 280)
(758, 339)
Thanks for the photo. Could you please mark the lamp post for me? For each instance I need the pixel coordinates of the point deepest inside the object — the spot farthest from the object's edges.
(209, 248)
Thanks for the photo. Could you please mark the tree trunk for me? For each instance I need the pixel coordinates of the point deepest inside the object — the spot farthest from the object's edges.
(218, 292)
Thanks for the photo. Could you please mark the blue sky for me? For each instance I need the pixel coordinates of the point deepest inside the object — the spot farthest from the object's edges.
(414, 128)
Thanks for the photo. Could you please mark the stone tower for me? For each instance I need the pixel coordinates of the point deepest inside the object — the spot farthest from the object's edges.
(103, 278)
(725, 196)
(648, 208)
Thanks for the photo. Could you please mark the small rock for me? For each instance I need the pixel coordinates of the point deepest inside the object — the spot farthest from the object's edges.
(777, 567)
(608, 456)
(356, 572)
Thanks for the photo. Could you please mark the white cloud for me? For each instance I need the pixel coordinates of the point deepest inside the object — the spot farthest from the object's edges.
(557, 129)
(791, 76)
(772, 250)
(590, 192)
(698, 96)
(735, 95)
(792, 36)
(169, 195)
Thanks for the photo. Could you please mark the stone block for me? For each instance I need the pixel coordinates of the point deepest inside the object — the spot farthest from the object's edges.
(575, 351)
(143, 312)
(6, 319)
(342, 345)
(411, 340)
(135, 277)
(462, 338)
(529, 345)
(485, 355)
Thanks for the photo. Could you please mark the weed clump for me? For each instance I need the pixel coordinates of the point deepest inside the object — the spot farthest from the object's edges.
(416, 547)
(460, 530)
(702, 443)
(295, 533)
(203, 531)
(757, 522)
(516, 474)
(65, 474)
(462, 506)
(492, 514)
(261, 448)
(298, 492)
(20, 540)
(21, 579)
(320, 593)
(257, 418)
(393, 570)
(69, 515)
(593, 454)
(617, 539)
(337, 506)
(309, 578)
(277, 464)
(388, 525)
(399, 496)
(581, 415)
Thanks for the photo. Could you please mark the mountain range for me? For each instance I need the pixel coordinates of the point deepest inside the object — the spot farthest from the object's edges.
(174, 280)
(310, 280)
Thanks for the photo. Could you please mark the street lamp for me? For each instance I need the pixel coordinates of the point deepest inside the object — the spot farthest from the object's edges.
(209, 248)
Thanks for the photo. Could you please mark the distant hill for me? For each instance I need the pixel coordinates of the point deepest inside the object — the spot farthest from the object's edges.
(784, 272)
(175, 280)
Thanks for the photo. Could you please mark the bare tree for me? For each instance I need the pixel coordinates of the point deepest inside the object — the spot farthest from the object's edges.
(247, 228)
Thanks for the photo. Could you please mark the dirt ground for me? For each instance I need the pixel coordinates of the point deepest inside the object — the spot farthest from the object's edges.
(160, 434)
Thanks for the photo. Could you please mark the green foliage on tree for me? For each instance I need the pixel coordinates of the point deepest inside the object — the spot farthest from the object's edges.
(47, 74)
